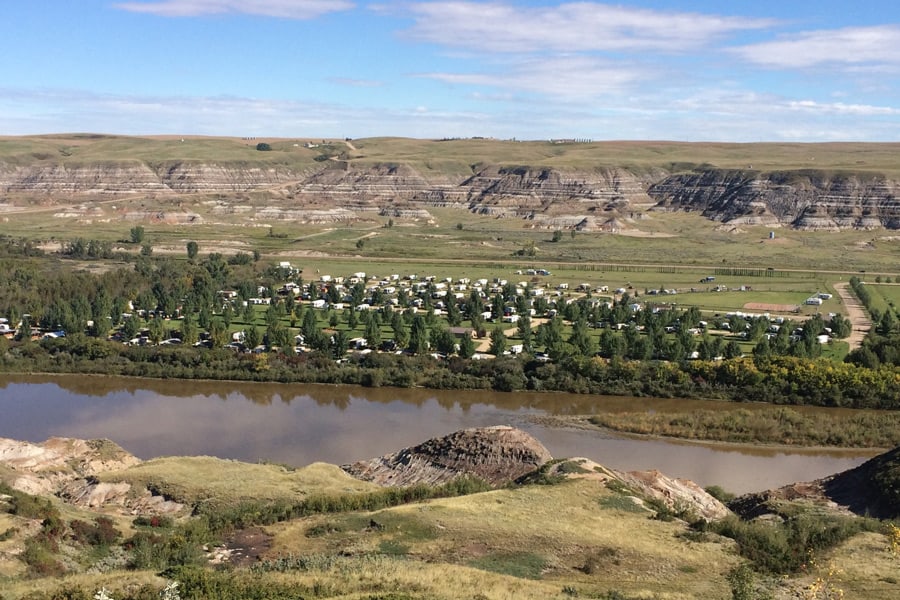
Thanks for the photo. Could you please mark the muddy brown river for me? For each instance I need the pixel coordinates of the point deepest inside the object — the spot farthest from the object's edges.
(300, 424)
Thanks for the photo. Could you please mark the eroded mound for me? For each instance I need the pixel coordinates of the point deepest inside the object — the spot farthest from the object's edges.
(497, 455)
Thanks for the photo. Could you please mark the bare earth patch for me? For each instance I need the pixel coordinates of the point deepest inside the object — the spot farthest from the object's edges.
(764, 306)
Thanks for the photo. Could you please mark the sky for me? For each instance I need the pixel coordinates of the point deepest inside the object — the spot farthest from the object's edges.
(688, 70)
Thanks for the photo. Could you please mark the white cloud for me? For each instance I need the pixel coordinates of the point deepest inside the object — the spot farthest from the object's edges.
(571, 27)
(565, 77)
(727, 114)
(851, 46)
(289, 9)
(53, 111)
(840, 108)
(349, 81)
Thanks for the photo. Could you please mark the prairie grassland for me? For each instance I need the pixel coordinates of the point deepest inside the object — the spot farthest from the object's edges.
(114, 581)
(862, 567)
(460, 157)
(190, 479)
(558, 533)
(88, 148)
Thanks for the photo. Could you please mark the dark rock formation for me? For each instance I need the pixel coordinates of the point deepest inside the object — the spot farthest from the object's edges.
(497, 455)
(811, 200)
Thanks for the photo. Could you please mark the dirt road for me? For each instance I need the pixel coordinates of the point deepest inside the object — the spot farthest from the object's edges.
(856, 313)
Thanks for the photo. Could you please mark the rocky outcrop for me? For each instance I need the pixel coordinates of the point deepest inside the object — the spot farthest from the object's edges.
(49, 466)
(135, 177)
(681, 496)
(498, 455)
(810, 200)
(587, 198)
(871, 489)
(374, 186)
(525, 190)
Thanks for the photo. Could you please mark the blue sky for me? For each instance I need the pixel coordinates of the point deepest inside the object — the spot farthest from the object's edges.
(792, 70)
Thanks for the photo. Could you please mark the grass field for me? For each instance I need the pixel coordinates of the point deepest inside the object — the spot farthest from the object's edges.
(492, 537)
(884, 296)
(193, 479)
(456, 157)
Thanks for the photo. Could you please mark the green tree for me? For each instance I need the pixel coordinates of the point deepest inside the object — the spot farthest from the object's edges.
(340, 341)
(252, 337)
(131, 327)
(499, 342)
(137, 234)
(467, 347)
(581, 338)
(157, 329)
(278, 336)
(443, 341)
(523, 331)
(248, 313)
(418, 336)
(218, 334)
(192, 250)
(454, 317)
(188, 329)
(373, 332)
(401, 333)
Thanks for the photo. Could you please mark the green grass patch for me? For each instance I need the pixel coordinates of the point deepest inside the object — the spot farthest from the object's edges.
(526, 565)
(621, 503)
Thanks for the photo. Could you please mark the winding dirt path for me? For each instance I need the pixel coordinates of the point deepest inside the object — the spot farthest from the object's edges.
(856, 313)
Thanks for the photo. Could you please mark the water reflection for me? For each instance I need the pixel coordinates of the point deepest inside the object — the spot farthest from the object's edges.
(299, 424)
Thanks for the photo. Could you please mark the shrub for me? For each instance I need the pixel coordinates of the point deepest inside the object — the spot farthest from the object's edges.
(101, 533)
(786, 548)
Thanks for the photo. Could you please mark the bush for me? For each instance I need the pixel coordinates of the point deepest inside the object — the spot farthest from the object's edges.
(263, 147)
(786, 548)
(101, 533)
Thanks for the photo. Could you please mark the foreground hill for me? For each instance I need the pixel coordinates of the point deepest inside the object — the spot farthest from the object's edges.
(565, 528)
(579, 186)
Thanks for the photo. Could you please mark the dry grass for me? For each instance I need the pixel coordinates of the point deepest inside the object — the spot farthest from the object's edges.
(191, 479)
(113, 581)
(862, 567)
(563, 529)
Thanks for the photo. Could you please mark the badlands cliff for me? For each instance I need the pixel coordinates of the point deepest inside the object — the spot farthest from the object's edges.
(586, 187)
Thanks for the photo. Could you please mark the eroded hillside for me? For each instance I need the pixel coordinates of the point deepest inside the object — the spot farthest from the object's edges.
(553, 186)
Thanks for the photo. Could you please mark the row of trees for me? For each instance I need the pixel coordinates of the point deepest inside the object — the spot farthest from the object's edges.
(882, 344)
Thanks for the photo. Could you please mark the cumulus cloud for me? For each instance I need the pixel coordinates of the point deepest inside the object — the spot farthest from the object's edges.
(848, 46)
(570, 27)
(289, 9)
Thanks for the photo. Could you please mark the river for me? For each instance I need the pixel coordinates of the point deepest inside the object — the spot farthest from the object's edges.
(300, 424)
